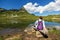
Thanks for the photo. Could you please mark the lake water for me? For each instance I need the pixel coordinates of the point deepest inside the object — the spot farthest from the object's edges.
(46, 23)
(52, 24)
(17, 30)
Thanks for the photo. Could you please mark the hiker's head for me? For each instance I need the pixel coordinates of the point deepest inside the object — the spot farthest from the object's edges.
(40, 17)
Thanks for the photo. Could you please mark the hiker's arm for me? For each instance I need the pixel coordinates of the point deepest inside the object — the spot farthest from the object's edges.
(44, 27)
(36, 23)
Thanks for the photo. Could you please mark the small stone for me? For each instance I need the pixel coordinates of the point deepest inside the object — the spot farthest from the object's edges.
(25, 30)
(33, 30)
(29, 32)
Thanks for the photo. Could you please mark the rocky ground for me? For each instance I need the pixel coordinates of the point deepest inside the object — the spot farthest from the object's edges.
(31, 35)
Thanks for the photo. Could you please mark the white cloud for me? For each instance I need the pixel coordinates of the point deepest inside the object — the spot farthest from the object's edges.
(30, 7)
(52, 6)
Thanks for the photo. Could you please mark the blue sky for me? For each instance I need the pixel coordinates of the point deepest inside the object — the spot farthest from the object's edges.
(9, 4)
(17, 4)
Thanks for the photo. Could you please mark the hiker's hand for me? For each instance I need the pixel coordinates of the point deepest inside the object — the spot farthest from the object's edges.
(46, 30)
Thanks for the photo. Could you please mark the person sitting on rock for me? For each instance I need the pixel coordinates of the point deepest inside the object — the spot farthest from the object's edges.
(40, 26)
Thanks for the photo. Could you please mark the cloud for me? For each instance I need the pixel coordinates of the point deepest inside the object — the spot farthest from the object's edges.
(30, 7)
(52, 6)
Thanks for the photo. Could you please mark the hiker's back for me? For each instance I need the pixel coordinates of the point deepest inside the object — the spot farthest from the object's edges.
(40, 25)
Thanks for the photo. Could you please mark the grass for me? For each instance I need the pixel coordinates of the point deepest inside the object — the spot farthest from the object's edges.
(16, 22)
(54, 34)
(50, 18)
(1, 38)
(57, 32)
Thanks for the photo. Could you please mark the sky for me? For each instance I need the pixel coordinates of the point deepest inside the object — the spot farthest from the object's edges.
(37, 7)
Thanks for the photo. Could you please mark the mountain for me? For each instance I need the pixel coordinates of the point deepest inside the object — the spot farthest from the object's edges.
(2, 9)
(16, 18)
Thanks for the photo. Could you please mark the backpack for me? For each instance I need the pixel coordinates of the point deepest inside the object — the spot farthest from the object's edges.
(40, 25)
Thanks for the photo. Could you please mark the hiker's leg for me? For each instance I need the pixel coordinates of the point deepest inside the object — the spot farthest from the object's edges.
(43, 33)
(45, 30)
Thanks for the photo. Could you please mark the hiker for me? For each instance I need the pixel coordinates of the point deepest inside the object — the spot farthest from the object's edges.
(40, 26)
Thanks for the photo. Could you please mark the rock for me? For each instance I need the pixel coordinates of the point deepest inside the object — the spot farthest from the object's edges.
(31, 38)
(38, 34)
(25, 30)
(29, 30)
(32, 31)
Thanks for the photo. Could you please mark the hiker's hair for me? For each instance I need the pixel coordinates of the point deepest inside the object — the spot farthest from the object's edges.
(41, 17)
